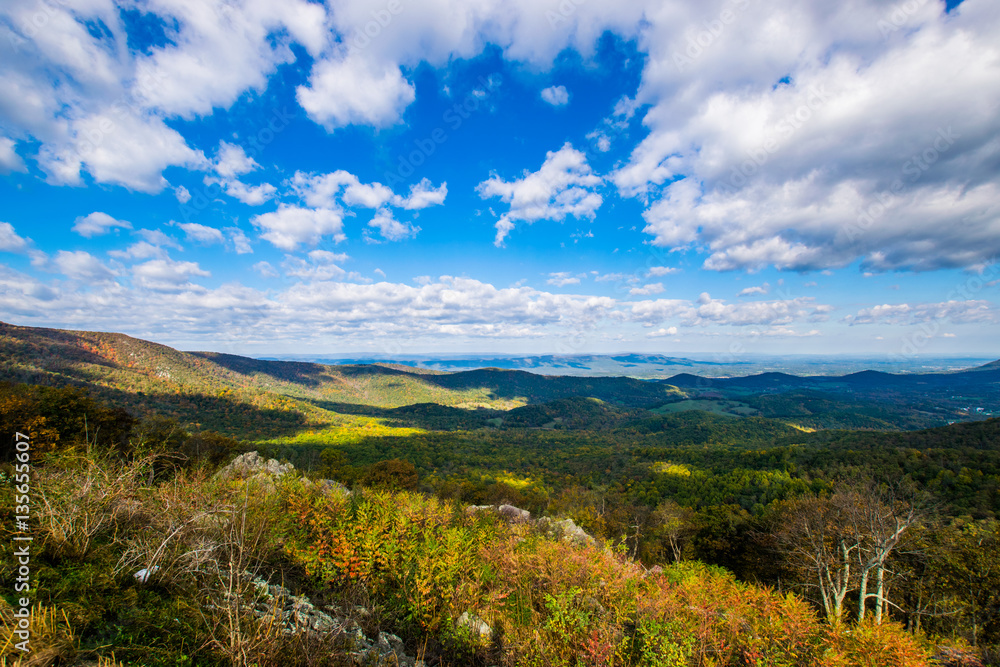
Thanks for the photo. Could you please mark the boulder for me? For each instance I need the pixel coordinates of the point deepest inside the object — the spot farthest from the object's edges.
(566, 530)
(253, 466)
(509, 513)
(477, 626)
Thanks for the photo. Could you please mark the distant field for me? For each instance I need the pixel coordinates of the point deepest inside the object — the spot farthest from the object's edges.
(717, 407)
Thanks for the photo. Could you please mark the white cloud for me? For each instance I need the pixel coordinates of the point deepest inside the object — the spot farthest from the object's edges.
(390, 228)
(660, 333)
(323, 266)
(265, 270)
(158, 238)
(555, 95)
(98, 223)
(9, 239)
(239, 241)
(167, 275)
(81, 266)
(119, 149)
(9, 159)
(201, 233)
(93, 104)
(614, 277)
(957, 312)
(355, 91)
(343, 188)
(422, 195)
(251, 195)
(707, 311)
(564, 278)
(647, 290)
(655, 271)
(182, 194)
(756, 289)
(563, 186)
(232, 161)
(291, 226)
(140, 250)
(805, 179)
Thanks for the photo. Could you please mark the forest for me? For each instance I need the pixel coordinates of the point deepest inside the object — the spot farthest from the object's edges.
(805, 545)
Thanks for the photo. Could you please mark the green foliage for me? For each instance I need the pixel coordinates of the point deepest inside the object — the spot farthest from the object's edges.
(393, 474)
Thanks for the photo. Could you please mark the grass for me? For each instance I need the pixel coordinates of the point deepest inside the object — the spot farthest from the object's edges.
(717, 407)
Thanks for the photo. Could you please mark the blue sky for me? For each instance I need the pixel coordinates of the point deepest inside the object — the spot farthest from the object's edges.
(483, 176)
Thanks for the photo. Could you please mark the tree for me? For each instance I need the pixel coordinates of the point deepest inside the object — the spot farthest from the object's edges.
(881, 517)
(392, 474)
(843, 542)
(819, 539)
(672, 528)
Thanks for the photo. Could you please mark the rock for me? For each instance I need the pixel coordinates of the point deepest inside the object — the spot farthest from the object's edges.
(514, 514)
(327, 486)
(476, 625)
(567, 530)
(252, 465)
(509, 513)
(298, 615)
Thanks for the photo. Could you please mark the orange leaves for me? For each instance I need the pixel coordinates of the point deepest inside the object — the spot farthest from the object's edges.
(561, 604)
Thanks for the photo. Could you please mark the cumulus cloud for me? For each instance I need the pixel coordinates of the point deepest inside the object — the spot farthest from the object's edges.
(322, 265)
(557, 96)
(355, 90)
(82, 266)
(647, 290)
(167, 275)
(660, 333)
(10, 161)
(344, 188)
(265, 270)
(756, 289)
(706, 311)
(9, 239)
(390, 228)
(140, 250)
(292, 226)
(98, 223)
(969, 311)
(158, 238)
(565, 185)
(655, 271)
(201, 233)
(231, 162)
(851, 145)
(92, 103)
(563, 278)
(239, 241)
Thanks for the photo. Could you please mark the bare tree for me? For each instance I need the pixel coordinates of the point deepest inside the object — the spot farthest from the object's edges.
(819, 540)
(881, 517)
(674, 525)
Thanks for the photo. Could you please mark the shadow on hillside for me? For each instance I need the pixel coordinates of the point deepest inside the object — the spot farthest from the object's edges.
(199, 412)
(297, 372)
(428, 416)
(511, 384)
(203, 412)
(54, 350)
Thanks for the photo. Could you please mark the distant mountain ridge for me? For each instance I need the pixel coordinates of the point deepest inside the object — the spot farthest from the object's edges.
(250, 393)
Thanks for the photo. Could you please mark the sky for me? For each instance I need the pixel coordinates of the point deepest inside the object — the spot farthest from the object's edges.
(505, 176)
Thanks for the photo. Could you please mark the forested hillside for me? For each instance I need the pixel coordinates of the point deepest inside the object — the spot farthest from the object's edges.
(740, 477)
